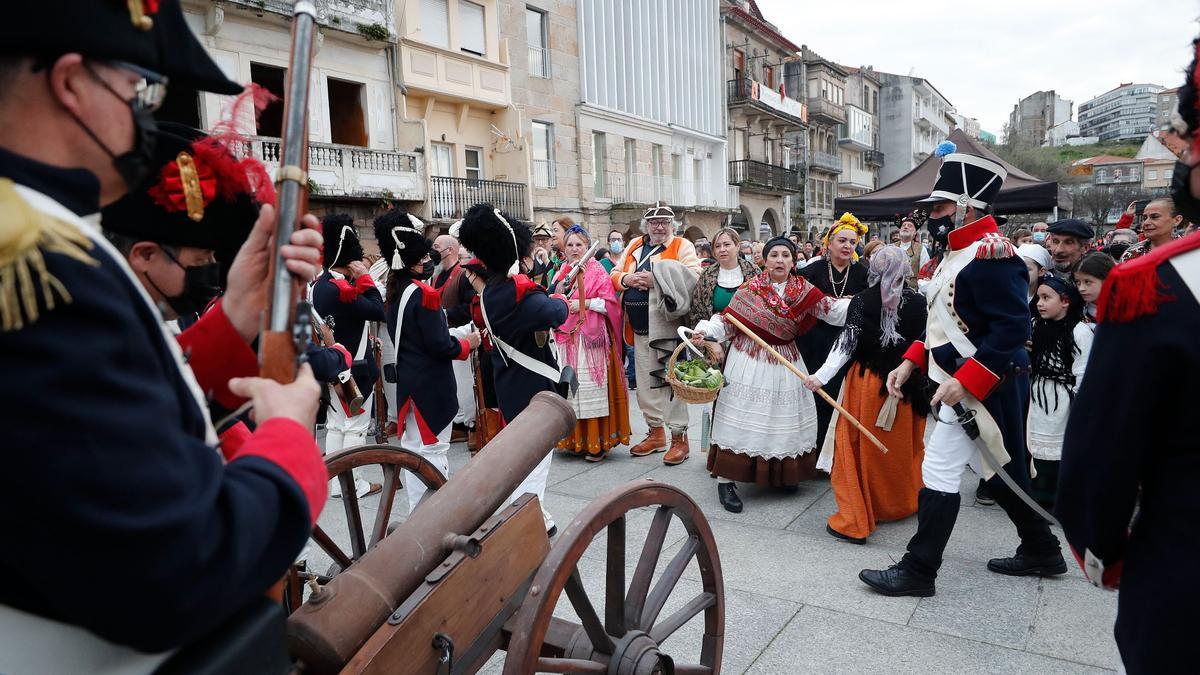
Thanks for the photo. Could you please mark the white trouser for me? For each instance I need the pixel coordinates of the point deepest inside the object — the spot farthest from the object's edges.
(434, 453)
(535, 483)
(347, 431)
(388, 357)
(948, 451)
(464, 380)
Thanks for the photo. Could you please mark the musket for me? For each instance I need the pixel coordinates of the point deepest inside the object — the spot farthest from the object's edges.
(346, 387)
(570, 280)
(286, 317)
(381, 406)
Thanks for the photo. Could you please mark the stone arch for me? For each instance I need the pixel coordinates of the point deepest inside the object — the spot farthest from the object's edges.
(772, 219)
(741, 220)
(693, 233)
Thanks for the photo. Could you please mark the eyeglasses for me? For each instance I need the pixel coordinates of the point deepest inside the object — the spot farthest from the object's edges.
(148, 92)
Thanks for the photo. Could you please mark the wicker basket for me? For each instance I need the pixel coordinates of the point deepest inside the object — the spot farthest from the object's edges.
(686, 393)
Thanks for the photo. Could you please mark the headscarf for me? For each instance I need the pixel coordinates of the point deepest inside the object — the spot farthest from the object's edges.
(779, 241)
(1037, 253)
(846, 222)
(1065, 290)
(888, 266)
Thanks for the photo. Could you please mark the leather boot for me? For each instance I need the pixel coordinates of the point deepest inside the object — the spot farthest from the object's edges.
(1038, 542)
(655, 441)
(678, 453)
(1025, 564)
(727, 493)
(914, 575)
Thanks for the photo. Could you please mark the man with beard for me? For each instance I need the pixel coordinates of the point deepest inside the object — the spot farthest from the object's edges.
(918, 255)
(974, 349)
(456, 293)
(110, 421)
(1067, 241)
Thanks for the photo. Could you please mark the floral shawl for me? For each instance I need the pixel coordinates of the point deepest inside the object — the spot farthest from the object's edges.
(597, 331)
(777, 320)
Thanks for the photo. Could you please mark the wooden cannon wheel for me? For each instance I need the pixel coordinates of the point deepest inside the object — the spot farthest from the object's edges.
(629, 637)
(392, 460)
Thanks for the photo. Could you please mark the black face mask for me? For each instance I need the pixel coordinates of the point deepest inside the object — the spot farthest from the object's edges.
(1186, 205)
(939, 229)
(201, 283)
(135, 165)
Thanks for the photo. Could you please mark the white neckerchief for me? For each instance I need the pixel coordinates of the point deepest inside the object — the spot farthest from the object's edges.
(779, 287)
(730, 278)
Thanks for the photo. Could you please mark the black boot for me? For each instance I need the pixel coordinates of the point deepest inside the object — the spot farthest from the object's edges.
(983, 494)
(727, 492)
(915, 573)
(1039, 552)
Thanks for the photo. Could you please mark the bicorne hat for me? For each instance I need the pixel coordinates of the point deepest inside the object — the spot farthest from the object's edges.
(966, 179)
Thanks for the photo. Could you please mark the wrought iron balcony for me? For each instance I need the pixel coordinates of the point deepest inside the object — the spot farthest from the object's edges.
(451, 197)
(826, 161)
(873, 157)
(539, 62)
(760, 176)
(749, 92)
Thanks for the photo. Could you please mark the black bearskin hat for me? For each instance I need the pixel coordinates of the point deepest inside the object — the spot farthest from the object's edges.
(495, 237)
(341, 240)
(401, 238)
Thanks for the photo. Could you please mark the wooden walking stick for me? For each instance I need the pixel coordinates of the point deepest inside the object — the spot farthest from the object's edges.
(801, 374)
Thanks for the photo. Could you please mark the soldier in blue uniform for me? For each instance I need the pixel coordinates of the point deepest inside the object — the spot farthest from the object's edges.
(518, 315)
(425, 390)
(974, 349)
(1130, 444)
(109, 421)
(345, 296)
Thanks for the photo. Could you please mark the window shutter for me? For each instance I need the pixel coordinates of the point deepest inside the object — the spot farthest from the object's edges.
(435, 22)
(473, 35)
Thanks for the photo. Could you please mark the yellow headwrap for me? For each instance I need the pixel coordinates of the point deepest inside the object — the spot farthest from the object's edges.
(846, 222)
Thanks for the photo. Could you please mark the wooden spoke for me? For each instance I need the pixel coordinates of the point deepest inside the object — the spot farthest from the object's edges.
(358, 543)
(666, 583)
(692, 669)
(639, 586)
(601, 642)
(391, 475)
(331, 549)
(546, 665)
(667, 627)
(614, 579)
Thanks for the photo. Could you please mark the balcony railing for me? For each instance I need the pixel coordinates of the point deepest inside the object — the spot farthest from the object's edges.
(873, 157)
(544, 174)
(345, 15)
(827, 109)
(623, 188)
(826, 161)
(746, 90)
(539, 62)
(347, 170)
(451, 197)
(751, 174)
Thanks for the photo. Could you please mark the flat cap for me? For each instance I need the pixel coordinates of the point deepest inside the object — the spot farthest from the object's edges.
(1072, 227)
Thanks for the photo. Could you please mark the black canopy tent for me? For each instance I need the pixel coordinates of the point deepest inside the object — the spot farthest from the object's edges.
(1022, 193)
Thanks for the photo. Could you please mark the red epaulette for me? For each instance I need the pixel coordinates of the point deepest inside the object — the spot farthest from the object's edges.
(524, 285)
(1133, 288)
(430, 298)
(994, 246)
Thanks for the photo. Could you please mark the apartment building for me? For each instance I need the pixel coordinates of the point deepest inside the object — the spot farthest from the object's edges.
(826, 99)
(1034, 116)
(1130, 111)
(858, 138)
(914, 118)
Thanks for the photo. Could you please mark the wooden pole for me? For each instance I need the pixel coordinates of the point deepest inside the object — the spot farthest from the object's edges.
(801, 374)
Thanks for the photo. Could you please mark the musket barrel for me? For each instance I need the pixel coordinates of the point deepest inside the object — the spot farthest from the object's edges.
(325, 634)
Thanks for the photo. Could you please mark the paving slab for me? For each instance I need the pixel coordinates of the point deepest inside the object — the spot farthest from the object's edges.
(1075, 621)
(820, 640)
(974, 603)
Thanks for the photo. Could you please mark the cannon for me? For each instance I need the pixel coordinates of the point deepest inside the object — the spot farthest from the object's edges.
(469, 573)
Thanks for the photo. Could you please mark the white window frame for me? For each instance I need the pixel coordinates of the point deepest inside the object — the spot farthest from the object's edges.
(467, 168)
(599, 162)
(539, 53)
(544, 178)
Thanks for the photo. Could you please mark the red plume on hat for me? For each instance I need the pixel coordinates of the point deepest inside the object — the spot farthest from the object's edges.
(216, 166)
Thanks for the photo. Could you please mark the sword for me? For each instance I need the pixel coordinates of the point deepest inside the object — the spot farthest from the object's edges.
(966, 419)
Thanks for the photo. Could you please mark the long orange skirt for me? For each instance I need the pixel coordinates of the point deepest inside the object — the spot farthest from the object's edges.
(870, 486)
(597, 435)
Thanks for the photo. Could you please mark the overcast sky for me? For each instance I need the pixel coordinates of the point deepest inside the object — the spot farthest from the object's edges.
(984, 57)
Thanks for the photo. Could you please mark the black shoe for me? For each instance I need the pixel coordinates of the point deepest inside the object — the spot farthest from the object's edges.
(983, 495)
(1023, 565)
(552, 531)
(845, 537)
(896, 581)
(727, 492)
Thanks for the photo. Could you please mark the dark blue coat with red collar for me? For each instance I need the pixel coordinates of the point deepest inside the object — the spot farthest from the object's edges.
(1131, 445)
(426, 348)
(351, 304)
(114, 444)
(520, 313)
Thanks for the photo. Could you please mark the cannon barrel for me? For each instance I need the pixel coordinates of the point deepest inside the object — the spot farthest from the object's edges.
(326, 631)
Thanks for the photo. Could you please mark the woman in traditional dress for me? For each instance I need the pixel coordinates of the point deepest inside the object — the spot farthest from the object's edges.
(590, 342)
(869, 485)
(765, 425)
(837, 275)
(719, 282)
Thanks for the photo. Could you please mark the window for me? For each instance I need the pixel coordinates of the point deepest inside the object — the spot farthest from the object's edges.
(473, 163)
(630, 159)
(536, 34)
(769, 77)
(347, 122)
(543, 155)
(656, 169)
(182, 106)
(471, 28)
(1151, 174)
(677, 169)
(698, 172)
(443, 160)
(598, 161)
(875, 102)
(739, 63)
(435, 22)
(270, 121)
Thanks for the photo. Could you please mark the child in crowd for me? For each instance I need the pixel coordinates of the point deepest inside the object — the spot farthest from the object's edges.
(1089, 278)
(1061, 344)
